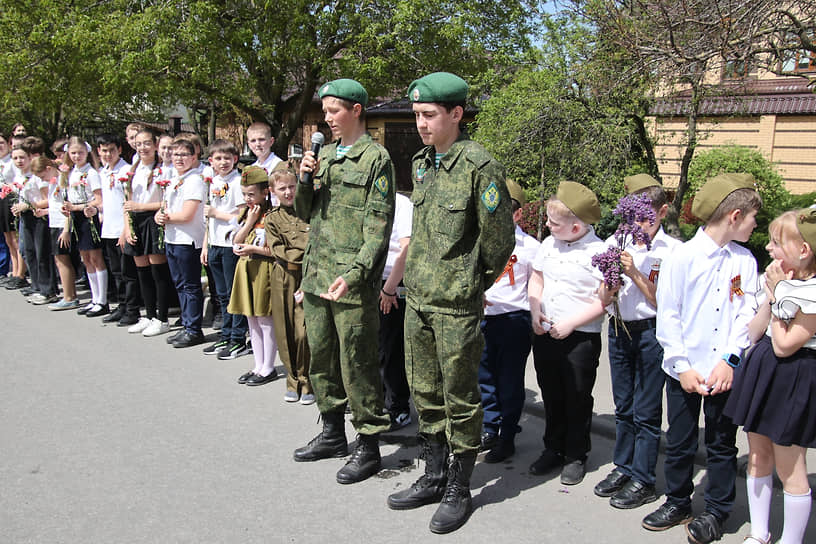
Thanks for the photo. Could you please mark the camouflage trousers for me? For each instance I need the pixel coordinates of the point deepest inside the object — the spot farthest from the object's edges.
(344, 366)
(442, 355)
(290, 329)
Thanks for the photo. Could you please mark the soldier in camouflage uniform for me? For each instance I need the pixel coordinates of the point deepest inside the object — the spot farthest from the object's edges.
(350, 208)
(463, 235)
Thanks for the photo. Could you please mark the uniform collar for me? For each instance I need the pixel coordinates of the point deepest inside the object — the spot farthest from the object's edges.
(708, 245)
(357, 147)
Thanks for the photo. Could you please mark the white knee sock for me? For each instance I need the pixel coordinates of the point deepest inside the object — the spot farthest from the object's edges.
(270, 350)
(93, 285)
(256, 337)
(102, 284)
(797, 512)
(760, 491)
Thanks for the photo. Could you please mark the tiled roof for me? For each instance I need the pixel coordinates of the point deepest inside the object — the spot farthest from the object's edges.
(774, 97)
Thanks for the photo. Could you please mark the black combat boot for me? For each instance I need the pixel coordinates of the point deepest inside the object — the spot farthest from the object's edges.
(329, 443)
(364, 461)
(431, 486)
(456, 504)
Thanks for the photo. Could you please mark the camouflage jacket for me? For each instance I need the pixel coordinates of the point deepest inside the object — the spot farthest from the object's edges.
(463, 230)
(350, 210)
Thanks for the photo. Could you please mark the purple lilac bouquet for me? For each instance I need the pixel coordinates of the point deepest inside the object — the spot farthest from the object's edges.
(632, 210)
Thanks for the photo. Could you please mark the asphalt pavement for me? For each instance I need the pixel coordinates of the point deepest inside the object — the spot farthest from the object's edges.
(110, 437)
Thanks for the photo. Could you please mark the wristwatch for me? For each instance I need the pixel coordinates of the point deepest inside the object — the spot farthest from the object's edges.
(732, 360)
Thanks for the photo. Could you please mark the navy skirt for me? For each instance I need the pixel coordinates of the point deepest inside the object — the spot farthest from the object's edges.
(8, 223)
(83, 230)
(776, 396)
(147, 235)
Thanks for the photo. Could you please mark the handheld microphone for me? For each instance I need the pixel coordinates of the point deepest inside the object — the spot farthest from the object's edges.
(317, 143)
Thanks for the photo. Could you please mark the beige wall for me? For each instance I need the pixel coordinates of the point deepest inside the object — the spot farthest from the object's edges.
(788, 140)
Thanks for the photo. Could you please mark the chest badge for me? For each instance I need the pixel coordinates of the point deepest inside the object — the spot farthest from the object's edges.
(654, 271)
(491, 197)
(508, 269)
(736, 287)
(420, 173)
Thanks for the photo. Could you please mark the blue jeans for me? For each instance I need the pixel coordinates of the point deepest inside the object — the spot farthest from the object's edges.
(222, 263)
(508, 338)
(637, 388)
(5, 259)
(681, 445)
(185, 268)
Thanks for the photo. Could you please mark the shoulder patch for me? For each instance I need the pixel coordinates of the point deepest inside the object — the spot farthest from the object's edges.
(381, 183)
(491, 197)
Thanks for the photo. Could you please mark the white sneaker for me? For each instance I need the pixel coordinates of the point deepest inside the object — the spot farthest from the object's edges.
(139, 326)
(156, 328)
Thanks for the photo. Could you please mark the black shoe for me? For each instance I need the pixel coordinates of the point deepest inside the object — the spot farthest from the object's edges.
(173, 339)
(85, 309)
(127, 321)
(704, 528)
(364, 463)
(489, 441)
(232, 350)
(213, 349)
(431, 486)
(610, 485)
(27, 291)
(666, 517)
(242, 379)
(456, 505)
(115, 315)
(633, 495)
(97, 310)
(16, 283)
(257, 379)
(572, 473)
(188, 340)
(548, 461)
(501, 451)
(331, 442)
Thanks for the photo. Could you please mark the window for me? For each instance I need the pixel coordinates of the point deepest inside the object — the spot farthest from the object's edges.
(800, 62)
(736, 69)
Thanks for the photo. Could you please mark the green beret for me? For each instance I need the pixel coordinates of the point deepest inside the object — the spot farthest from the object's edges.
(580, 200)
(516, 192)
(347, 89)
(806, 223)
(254, 175)
(638, 182)
(714, 191)
(439, 87)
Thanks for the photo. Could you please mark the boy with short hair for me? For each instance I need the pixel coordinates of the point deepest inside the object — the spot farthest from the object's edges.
(635, 356)
(123, 269)
(287, 236)
(260, 141)
(566, 314)
(224, 204)
(706, 298)
(507, 332)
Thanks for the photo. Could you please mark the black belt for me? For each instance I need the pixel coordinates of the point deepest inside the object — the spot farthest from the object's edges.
(640, 325)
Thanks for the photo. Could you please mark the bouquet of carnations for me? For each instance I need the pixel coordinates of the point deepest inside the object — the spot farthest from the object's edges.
(127, 188)
(163, 184)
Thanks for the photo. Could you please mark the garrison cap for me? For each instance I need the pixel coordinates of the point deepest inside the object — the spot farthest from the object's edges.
(438, 87)
(716, 189)
(254, 175)
(580, 200)
(347, 89)
(516, 192)
(806, 223)
(633, 184)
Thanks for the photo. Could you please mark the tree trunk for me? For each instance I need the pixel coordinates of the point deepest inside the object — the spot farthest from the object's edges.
(673, 216)
(211, 124)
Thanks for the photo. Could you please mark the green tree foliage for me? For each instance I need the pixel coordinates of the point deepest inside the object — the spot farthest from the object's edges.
(735, 158)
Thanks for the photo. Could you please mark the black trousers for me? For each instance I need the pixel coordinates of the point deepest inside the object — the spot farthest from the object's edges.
(391, 351)
(566, 371)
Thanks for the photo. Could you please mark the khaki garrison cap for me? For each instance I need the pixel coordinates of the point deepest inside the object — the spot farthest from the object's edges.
(580, 200)
(714, 191)
(516, 192)
(806, 223)
(438, 87)
(254, 175)
(633, 184)
(347, 89)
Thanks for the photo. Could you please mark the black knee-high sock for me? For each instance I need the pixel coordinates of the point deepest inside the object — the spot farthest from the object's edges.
(164, 284)
(148, 288)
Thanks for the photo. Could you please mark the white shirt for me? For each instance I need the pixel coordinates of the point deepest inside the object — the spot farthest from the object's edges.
(707, 297)
(632, 302)
(509, 292)
(142, 193)
(31, 187)
(82, 182)
(5, 167)
(113, 198)
(225, 196)
(190, 186)
(570, 281)
(403, 218)
(55, 200)
(792, 297)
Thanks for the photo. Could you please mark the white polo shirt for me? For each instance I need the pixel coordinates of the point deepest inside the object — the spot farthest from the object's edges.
(225, 196)
(113, 197)
(189, 186)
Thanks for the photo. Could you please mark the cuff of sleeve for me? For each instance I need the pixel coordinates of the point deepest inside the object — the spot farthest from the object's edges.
(352, 277)
(680, 366)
